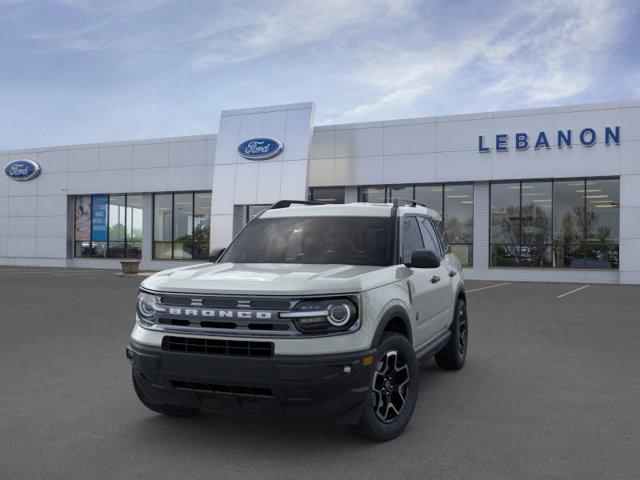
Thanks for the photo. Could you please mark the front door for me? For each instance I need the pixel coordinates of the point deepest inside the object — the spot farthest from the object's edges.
(426, 293)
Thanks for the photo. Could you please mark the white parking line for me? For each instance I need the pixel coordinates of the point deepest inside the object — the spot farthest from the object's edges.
(488, 286)
(573, 291)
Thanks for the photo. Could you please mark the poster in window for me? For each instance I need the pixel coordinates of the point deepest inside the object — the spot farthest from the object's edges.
(83, 219)
(99, 220)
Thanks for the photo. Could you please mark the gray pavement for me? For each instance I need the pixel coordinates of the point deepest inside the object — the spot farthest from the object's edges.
(551, 390)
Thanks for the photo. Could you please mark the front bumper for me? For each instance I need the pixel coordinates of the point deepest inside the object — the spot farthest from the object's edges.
(329, 386)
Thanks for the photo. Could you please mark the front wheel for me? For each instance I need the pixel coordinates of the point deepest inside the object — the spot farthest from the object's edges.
(393, 390)
(453, 355)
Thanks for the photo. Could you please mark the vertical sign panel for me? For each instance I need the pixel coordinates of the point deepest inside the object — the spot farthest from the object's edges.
(99, 218)
(83, 219)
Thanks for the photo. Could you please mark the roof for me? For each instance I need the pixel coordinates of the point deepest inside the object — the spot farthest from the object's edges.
(356, 209)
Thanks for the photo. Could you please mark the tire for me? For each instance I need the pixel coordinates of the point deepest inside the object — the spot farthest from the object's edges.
(454, 354)
(390, 389)
(169, 410)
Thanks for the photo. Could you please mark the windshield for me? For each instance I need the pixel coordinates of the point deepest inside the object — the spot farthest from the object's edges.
(320, 240)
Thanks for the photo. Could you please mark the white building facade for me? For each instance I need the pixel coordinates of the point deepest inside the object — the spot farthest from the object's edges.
(549, 194)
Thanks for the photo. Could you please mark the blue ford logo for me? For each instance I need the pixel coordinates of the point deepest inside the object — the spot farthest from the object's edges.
(22, 170)
(260, 148)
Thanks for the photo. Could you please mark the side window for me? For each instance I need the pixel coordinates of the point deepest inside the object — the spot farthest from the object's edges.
(429, 236)
(411, 238)
(444, 241)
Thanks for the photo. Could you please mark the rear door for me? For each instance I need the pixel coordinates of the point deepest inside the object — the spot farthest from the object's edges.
(424, 292)
(443, 285)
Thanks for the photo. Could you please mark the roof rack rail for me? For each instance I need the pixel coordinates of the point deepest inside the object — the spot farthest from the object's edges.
(403, 202)
(288, 203)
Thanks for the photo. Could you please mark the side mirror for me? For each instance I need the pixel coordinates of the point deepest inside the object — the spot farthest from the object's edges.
(215, 254)
(424, 259)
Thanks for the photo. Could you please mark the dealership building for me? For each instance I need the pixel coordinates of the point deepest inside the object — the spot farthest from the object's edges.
(548, 194)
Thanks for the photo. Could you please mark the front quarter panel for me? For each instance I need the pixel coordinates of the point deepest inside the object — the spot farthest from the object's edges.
(381, 300)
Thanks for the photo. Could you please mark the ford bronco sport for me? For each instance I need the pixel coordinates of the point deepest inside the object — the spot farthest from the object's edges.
(322, 310)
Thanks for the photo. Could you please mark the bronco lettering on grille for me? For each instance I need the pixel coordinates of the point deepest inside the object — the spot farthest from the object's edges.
(219, 313)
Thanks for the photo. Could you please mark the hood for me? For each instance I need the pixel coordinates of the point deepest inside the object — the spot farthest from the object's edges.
(271, 279)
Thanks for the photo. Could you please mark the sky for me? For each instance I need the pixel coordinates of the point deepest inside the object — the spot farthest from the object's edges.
(80, 71)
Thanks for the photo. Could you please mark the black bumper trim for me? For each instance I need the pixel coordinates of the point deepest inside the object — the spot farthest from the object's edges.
(330, 386)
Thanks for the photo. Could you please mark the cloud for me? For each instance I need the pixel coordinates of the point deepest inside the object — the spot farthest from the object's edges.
(121, 69)
(289, 23)
(552, 60)
(541, 53)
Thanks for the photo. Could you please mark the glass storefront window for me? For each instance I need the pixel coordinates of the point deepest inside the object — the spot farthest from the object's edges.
(430, 195)
(108, 226)
(162, 225)
(327, 194)
(535, 230)
(253, 210)
(372, 194)
(458, 220)
(117, 219)
(182, 225)
(134, 226)
(453, 201)
(555, 224)
(201, 224)
(505, 224)
(401, 191)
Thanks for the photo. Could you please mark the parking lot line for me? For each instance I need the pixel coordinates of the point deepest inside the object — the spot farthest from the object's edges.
(573, 291)
(488, 286)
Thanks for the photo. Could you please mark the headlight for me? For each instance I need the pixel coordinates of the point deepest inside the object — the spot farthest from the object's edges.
(147, 307)
(324, 316)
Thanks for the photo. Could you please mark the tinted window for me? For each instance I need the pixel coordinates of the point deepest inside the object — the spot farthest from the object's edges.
(411, 238)
(429, 236)
(317, 240)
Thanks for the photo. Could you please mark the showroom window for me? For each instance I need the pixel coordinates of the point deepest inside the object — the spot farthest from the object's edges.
(252, 211)
(562, 224)
(108, 226)
(181, 225)
(453, 201)
(327, 194)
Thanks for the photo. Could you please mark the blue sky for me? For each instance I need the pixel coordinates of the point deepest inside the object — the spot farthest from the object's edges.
(76, 71)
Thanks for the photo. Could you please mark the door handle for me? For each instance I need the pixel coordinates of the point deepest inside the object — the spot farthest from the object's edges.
(452, 273)
(435, 279)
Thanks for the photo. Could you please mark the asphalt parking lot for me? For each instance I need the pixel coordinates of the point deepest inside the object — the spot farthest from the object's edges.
(551, 390)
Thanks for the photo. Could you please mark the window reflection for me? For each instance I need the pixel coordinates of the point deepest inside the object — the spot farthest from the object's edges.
(505, 224)
(564, 224)
(134, 226)
(327, 194)
(536, 200)
(108, 226)
(182, 225)
(453, 201)
(430, 195)
(372, 194)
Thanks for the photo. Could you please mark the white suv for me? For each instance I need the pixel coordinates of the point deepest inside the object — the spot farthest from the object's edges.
(322, 310)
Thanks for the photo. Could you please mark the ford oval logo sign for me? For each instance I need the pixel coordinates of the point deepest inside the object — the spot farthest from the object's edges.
(260, 148)
(22, 170)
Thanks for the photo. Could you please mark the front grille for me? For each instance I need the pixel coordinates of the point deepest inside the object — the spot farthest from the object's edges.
(237, 315)
(218, 388)
(207, 346)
